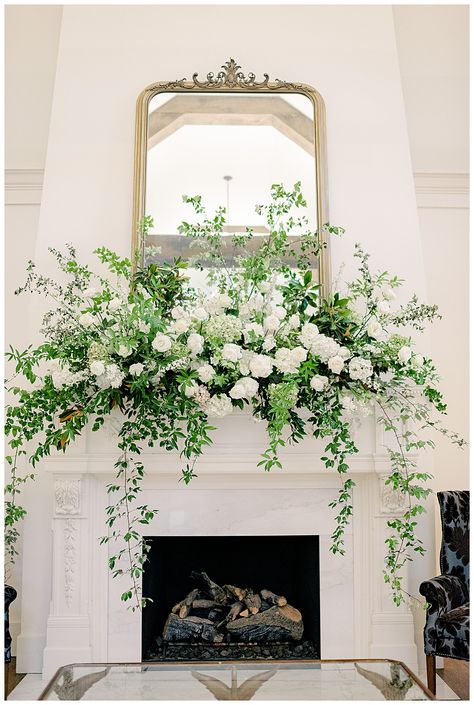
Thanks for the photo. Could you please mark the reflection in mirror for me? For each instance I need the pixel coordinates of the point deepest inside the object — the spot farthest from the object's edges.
(229, 149)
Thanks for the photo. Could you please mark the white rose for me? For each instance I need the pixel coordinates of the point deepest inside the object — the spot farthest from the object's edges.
(191, 389)
(180, 326)
(383, 307)
(404, 354)
(308, 334)
(231, 352)
(375, 330)
(195, 343)
(136, 369)
(206, 373)
(294, 321)
(417, 361)
(124, 351)
(388, 293)
(114, 304)
(264, 287)
(97, 368)
(90, 292)
(279, 312)
(310, 311)
(86, 320)
(178, 312)
(319, 382)
(344, 353)
(224, 300)
(336, 364)
(143, 327)
(269, 343)
(261, 365)
(161, 343)
(271, 323)
(200, 314)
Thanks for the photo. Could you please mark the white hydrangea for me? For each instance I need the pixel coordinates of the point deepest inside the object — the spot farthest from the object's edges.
(205, 372)
(288, 361)
(136, 369)
(324, 347)
(195, 343)
(244, 388)
(224, 327)
(261, 365)
(161, 343)
(308, 335)
(231, 352)
(97, 368)
(252, 330)
(360, 368)
(336, 364)
(319, 382)
(219, 405)
(404, 354)
(62, 376)
(86, 320)
(217, 304)
(112, 377)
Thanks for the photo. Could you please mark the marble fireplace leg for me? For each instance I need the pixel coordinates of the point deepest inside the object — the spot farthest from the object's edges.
(392, 628)
(68, 638)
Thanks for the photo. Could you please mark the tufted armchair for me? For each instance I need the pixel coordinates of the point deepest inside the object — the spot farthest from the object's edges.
(447, 619)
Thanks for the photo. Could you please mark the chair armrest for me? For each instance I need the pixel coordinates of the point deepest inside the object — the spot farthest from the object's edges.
(444, 593)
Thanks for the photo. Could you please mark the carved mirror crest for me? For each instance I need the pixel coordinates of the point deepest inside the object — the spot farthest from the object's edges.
(228, 139)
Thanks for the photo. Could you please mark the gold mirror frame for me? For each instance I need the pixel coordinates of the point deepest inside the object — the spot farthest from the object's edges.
(231, 80)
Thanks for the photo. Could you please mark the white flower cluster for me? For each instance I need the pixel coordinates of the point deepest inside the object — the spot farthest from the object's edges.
(112, 377)
(360, 368)
(288, 360)
(62, 376)
(219, 405)
(245, 388)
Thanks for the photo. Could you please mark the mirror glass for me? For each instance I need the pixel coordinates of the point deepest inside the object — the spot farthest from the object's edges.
(228, 148)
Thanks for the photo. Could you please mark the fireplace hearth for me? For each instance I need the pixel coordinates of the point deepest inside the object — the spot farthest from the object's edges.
(231, 598)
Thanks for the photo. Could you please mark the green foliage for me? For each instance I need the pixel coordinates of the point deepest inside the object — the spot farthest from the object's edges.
(143, 344)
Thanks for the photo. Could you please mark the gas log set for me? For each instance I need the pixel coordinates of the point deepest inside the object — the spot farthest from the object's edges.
(227, 614)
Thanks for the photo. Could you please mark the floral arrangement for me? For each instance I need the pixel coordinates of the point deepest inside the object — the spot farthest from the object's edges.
(172, 358)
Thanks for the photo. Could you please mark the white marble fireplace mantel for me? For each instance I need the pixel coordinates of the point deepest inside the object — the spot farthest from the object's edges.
(231, 496)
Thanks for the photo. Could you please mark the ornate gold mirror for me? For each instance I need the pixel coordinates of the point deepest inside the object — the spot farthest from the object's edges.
(228, 139)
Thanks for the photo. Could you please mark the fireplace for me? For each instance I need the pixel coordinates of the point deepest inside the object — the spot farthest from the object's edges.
(285, 565)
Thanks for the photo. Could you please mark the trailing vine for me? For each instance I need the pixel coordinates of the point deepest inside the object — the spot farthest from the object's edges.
(168, 358)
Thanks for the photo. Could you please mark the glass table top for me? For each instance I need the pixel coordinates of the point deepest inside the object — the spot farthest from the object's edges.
(366, 679)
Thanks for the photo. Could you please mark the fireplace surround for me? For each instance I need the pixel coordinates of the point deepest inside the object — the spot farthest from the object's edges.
(288, 565)
(231, 497)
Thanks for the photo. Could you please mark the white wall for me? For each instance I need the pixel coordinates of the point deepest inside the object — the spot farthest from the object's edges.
(375, 106)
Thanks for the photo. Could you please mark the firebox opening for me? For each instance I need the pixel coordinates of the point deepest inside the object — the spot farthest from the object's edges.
(285, 565)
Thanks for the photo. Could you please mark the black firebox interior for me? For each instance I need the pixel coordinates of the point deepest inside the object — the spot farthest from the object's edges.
(286, 565)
